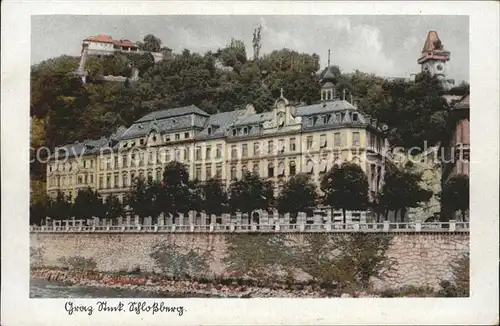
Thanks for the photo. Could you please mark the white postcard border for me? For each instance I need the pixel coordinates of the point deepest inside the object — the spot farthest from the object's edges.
(481, 307)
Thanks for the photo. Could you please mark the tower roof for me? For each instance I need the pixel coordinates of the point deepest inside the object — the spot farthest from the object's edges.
(330, 74)
(433, 49)
(432, 42)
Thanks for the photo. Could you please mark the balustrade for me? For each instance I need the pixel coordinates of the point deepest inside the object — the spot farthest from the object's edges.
(274, 224)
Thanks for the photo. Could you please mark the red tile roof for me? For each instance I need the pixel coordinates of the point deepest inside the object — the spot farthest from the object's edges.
(433, 49)
(108, 39)
(100, 38)
(125, 43)
(432, 42)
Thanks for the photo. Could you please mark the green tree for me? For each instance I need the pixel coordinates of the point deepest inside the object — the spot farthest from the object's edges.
(61, 208)
(214, 198)
(455, 194)
(251, 193)
(39, 202)
(422, 108)
(113, 208)
(151, 43)
(298, 195)
(195, 199)
(88, 203)
(176, 192)
(138, 199)
(402, 189)
(233, 54)
(346, 188)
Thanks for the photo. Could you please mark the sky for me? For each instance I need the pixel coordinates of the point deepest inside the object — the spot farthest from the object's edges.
(384, 45)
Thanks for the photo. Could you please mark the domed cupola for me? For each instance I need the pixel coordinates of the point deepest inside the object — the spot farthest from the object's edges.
(329, 78)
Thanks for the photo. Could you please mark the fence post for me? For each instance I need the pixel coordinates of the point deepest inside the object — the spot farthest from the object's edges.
(277, 226)
(302, 227)
(418, 226)
(453, 225)
(386, 226)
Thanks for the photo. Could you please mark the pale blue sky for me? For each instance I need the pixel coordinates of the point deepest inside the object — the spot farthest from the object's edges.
(384, 45)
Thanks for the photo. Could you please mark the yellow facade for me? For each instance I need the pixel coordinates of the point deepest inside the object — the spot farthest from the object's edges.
(286, 143)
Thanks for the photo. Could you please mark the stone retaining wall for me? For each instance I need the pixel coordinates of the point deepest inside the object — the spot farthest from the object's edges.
(423, 259)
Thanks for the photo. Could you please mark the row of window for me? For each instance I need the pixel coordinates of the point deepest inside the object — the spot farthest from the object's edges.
(70, 180)
(208, 172)
(138, 159)
(154, 138)
(183, 154)
(70, 166)
(339, 117)
(113, 180)
(292, 147)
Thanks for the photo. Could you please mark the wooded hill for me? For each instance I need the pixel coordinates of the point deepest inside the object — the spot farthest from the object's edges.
(64, 110)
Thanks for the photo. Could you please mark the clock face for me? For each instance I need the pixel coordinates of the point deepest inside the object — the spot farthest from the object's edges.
(439, 67)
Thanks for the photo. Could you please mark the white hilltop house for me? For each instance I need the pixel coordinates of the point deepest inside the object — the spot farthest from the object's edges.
(104, 45)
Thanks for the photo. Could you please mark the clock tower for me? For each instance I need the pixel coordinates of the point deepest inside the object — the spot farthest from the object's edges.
(434, 57)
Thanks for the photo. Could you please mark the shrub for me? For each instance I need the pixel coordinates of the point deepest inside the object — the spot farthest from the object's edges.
(173, 262)
(459, 286)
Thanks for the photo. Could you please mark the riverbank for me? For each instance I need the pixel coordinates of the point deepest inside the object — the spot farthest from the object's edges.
(153, 285)
(180, 288)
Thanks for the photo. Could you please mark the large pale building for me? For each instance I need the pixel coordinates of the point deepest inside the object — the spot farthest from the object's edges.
(277, 144)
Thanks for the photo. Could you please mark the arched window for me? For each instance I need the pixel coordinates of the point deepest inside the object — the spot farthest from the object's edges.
(233, 173)
(270, 170)
(293, 170)
(256, 169)
(322, 166)
(310, 167)
(356, 160)
(281, 169)
(337, 162)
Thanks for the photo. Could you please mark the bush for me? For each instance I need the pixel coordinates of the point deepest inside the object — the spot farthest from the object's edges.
(459, 286)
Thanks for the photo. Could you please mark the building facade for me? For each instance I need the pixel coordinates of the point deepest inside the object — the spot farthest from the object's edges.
(457, 147)
(277, 144)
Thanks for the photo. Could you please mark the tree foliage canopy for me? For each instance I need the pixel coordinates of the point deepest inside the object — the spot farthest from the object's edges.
(251, 193)
(298, 195)
(346, 188)
(402, 189)
(455, 194)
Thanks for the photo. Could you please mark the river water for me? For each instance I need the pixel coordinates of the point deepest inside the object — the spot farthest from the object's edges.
(54, 289)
